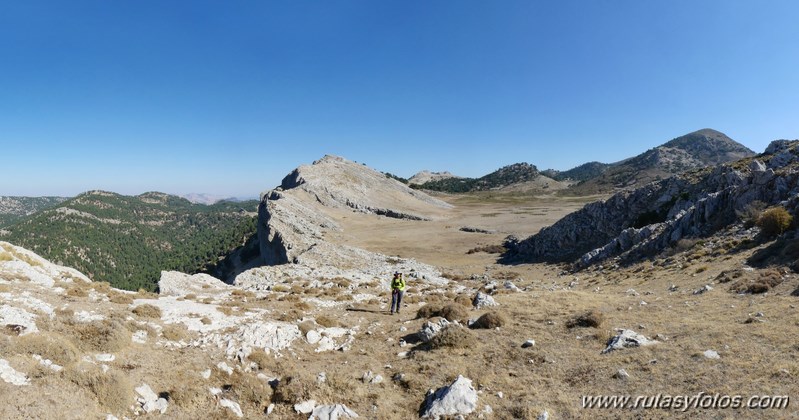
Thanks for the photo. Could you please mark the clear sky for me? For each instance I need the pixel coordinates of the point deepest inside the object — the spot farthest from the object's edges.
(226, 97)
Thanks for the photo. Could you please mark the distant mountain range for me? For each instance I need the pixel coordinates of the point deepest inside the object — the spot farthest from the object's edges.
(12, 209)
(208, 199)
(696, 150)
(128, 240)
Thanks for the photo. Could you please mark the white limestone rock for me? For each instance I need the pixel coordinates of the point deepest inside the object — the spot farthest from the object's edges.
(458, 398)
(24, 321)
(9, 375)
(482, 300)
(175, 283)
(149, 400)
(332, 412)
(626, 339)
(430, 329)
(305, 407)
(232, 406)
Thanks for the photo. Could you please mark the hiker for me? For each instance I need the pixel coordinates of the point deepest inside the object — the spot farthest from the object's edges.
(397, 290)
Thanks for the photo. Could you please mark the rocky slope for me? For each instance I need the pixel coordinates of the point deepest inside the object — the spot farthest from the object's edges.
(297, 221)
(692, 151)
(127, 240)
(13, 209)
(634, 224)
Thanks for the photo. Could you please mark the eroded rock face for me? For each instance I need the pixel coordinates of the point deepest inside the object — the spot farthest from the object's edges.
(290, 222)
(175, 283)
(634, 224)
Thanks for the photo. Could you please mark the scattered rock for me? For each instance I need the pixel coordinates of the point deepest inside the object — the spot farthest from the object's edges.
(149, 400)
(305, 407)
(482, 300)
(232, 406)
(332, 412)
(11, 376)
(459, 398)
(543, 416)
(627, 338)
(528, 343)
(621, 374)
(711, 354)
(430, 329)
(704, 289)
(105, 357)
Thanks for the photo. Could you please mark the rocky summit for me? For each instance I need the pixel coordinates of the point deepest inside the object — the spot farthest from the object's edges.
(302, 223)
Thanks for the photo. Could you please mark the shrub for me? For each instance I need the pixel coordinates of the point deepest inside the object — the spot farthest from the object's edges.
(453, 336)
(113, 388)
(490, 320)
(175, 332)
(592, 319)
(774, 221)
(327, 322)
(147, 311)
(451, 312)
(121, 298)
(291, 391)
(51, 346)
(105, 336)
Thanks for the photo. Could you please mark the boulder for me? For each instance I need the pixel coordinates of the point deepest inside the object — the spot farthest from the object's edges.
(430, 329)
(332, 412)
(458, 398)
(150, 401)
(232, 406)
(625, 339)
(482, 300)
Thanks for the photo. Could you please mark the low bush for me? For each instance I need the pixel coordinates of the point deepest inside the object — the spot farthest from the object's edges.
(147, 311)
(454, 336)
(774, 221)
(490, 320)
(593, 319)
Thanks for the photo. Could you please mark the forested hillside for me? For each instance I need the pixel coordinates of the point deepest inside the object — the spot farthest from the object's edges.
(12, 209)
(128, 240)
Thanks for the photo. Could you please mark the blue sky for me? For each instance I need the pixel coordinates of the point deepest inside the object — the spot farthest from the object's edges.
(228, 97)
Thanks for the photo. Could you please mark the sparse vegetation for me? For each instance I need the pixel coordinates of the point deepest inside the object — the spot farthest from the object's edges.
(592, 319)
(490, 320)
(774, 221)
(454, 336)
(451, 312)
(147, 311)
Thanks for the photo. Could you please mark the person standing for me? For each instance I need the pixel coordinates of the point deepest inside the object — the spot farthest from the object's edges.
(397, 290)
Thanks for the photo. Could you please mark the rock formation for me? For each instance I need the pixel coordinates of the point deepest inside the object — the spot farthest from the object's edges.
(296, 220)
(642, 222)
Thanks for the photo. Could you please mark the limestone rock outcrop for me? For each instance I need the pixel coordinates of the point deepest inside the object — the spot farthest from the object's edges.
(634, 224)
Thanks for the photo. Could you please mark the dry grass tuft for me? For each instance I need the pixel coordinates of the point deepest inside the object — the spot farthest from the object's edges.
(292, 390)
(762, 284)
(490, 320)
(120, 298)
(227, 310)
(260, 358)
(175, 332)
(113, 389)
(49, 345)
(327, 322)
(107, 336)
(454, 336)
(592, 319)
(452, 312)
(147, 311)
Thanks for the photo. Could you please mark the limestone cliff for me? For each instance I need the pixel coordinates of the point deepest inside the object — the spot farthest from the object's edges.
(633, 224)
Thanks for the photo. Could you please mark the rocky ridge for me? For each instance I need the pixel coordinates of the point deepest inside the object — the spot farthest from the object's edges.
(425, 176)
(634, 224)
(296, 220)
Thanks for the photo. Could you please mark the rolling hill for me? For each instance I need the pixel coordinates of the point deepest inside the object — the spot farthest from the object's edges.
(12, 209)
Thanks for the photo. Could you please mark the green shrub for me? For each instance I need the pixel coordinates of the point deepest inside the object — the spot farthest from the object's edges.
(774, 221)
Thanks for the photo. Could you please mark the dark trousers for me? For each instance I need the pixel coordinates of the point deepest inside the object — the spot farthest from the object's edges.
(396, 300)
